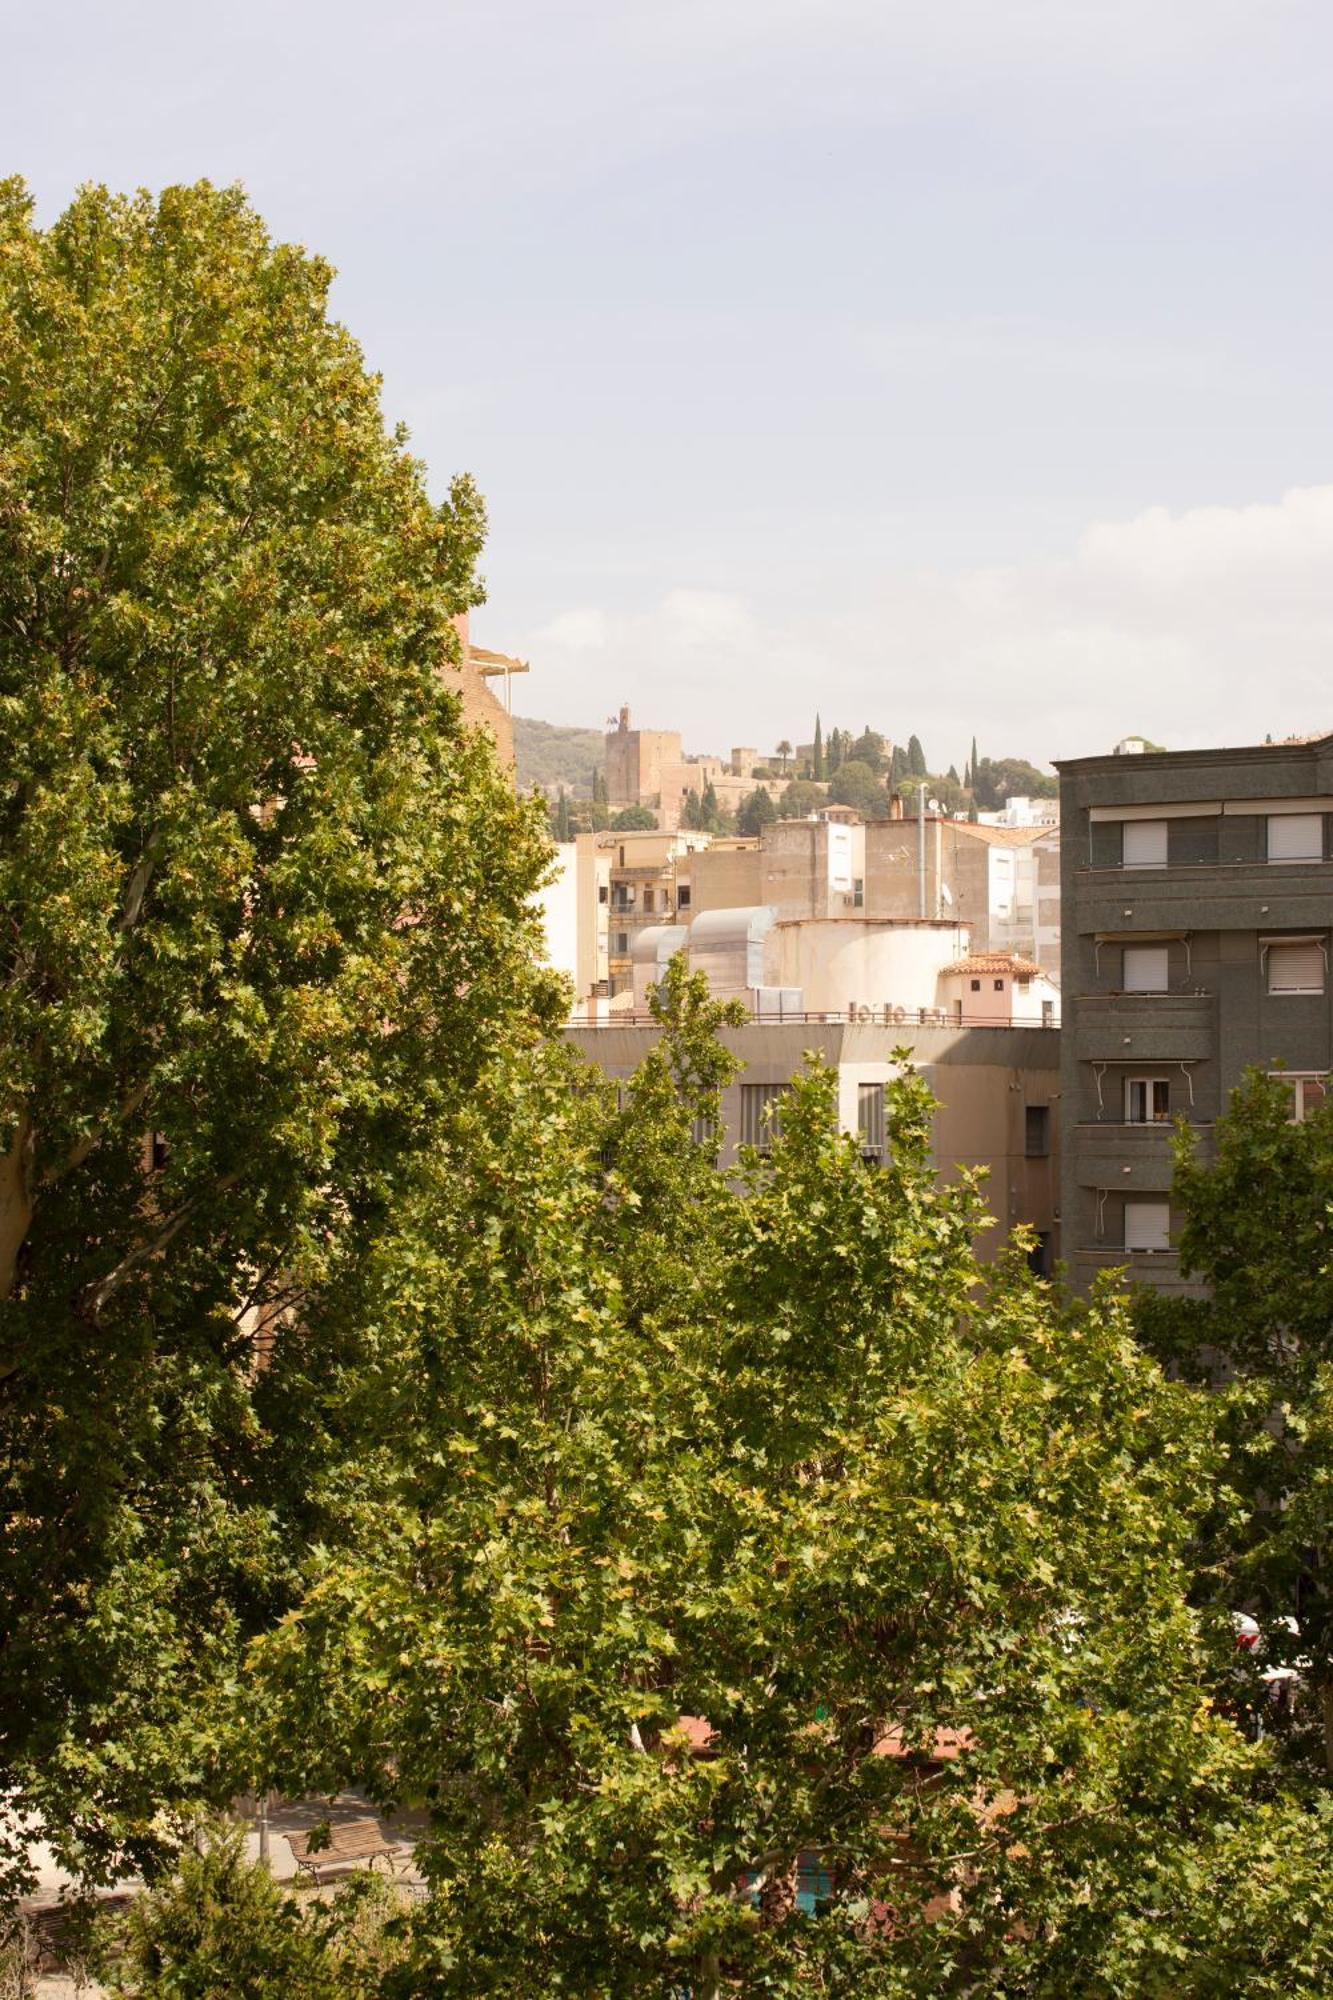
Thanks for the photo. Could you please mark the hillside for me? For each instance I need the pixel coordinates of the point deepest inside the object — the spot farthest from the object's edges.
(548, 754)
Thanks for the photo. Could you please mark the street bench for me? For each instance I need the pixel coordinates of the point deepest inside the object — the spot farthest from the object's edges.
(348, 1844)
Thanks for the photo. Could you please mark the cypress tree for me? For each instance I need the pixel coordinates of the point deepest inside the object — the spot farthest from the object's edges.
(817, 760)
(916, 758)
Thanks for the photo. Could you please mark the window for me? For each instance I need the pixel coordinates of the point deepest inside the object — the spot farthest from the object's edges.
(703, 1131)
(603, 893)
(761, 1113)
(1295, 836)
(620, 942)
(1297, 967)
(1039, 1256)
(975, 984)
(622, 854)
(1146, 968)
(858, 892)
(870, 1120)
(998, 984)
(1145, 843)
(683, 896)
(1309, 1092)
(1147, 1223)
(1037, 1132)
(647, 899)
(1147, 1100)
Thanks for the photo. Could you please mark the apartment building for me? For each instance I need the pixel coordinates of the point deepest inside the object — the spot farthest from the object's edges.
(1197, 905)
(997, 1089)
(983, 876)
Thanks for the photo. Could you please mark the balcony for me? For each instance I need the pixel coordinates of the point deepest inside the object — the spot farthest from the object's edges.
(1206, 896)
(1147, 1027)
(1158, 1268)
(1139, 1158)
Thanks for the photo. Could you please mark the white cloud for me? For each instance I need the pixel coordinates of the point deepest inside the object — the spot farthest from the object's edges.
(1210, 626)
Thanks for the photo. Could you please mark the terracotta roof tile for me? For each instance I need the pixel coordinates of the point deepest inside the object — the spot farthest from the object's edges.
(997, 961)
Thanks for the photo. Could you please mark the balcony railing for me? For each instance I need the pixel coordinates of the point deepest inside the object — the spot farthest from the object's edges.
(887, 1016)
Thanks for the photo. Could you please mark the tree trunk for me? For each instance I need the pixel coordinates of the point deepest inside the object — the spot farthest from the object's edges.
(1326, 1702)
(15, 1201)
(710, 1977)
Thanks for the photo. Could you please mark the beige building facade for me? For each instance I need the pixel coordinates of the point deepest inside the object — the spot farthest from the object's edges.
(997, 1091)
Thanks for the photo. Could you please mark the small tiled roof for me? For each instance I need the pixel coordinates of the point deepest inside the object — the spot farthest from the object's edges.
(997, 961)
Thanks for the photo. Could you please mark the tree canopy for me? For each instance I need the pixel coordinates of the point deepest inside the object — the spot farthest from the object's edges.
(755, 812)
(759, 1602)
(1258, 1235)
(855, 784)
(266, 914)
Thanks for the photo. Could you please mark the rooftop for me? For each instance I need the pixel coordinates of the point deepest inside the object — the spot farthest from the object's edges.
(997, 961)
(1112, 760)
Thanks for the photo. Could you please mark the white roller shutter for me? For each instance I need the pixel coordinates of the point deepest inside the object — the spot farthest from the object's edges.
(1146, 968)
(1296, 837)
(1147, 1225)
(1145, 843)
(1295, 968)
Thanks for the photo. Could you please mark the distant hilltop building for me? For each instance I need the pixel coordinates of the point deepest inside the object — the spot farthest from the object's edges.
(649, 767)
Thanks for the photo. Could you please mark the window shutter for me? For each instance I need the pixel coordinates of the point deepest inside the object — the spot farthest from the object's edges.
(1145, 843)
(761, 1113)
(1147, 1225)
(1296, 837)
(1146, 968)
(870, 1118)
(1295, 968)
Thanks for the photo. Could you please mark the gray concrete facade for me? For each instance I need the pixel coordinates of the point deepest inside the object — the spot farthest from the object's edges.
(1196, 910)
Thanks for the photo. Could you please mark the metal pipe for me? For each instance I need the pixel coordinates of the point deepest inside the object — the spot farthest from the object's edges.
(921, 849)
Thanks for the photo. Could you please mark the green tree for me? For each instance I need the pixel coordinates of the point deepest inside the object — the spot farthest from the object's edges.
(855, 784)
(755, 813)
(783, 753)
(710, 1518)
(221, 1928)
(800, 798)
(712, 817)
(869, 748)
(266, 910)
(948, 793)
(561, 817)
(1257, 1233)
(994, 781)
(817, 759)
(898, 767)
(633, 819)
(916, 758)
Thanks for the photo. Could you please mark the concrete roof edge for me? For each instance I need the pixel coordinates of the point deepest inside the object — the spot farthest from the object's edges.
(1311, 746)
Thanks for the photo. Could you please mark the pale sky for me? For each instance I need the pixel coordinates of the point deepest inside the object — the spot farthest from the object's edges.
(960, 367)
